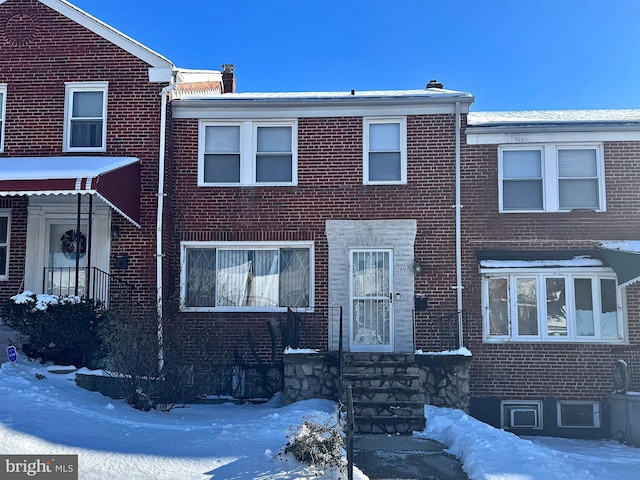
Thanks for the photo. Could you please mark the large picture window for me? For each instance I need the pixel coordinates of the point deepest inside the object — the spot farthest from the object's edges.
(385, 150)
(551, 178)
(85, 117)
(248, 153)
(242, 276)
(570, 305)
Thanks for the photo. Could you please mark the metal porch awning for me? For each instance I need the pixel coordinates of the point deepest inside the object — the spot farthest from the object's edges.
(624, 258)
(115, 180)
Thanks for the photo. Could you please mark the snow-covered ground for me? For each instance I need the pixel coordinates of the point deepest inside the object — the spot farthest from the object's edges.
(51, 415)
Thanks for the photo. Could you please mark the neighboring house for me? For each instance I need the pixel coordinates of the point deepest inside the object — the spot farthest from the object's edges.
(550, 206)
(80, 135)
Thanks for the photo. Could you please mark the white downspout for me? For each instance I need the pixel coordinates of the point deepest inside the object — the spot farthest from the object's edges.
(161, 195)
(458, 207)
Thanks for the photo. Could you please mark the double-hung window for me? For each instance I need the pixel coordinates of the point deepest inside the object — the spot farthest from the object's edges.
(551, 178)
(238, 276)
(564, 305)
(4, 244)
(385, 150)
(3, 101)
(85, 126)
(248, 153)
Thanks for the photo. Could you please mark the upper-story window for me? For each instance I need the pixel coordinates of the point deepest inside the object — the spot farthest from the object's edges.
(3, 96)
(4, 244)
(564, 304)
(85, 126)
(551, 178)
(248, 153)
(385, 150)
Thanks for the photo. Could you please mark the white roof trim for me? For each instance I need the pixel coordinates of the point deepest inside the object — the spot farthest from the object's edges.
(550, 135)
(51, 168)
(583, 261)
(109, 33)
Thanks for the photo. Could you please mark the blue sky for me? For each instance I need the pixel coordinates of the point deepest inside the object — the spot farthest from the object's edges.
(510, 54)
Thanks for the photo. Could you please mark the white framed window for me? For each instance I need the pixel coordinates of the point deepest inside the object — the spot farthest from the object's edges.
(385, 150)
(5, 223)
(578, 414)
(521, 414)
(248, 153)
(85, 125)
(559, 305)
(231, 276)
(3, 102)
(551, 178)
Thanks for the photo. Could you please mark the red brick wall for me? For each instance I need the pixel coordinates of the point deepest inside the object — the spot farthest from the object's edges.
(40, 50)
(536, 370)
(330, 176)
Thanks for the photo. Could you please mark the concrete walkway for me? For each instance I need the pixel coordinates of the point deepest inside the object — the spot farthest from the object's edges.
(404, 457)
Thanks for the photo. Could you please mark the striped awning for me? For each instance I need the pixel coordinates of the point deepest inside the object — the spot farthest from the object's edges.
(115, 180)
(624, 259)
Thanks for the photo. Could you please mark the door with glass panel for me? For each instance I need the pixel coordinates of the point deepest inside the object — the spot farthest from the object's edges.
(371, 297)
(63, 272)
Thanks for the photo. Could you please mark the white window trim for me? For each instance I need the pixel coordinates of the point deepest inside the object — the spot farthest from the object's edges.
(595, 273)
(184, 246)
(70, 89)
(403, 150)
(7, 213)
(550, 175)
(248, 150)
(526, 404)
(3, 109)
(595, 408)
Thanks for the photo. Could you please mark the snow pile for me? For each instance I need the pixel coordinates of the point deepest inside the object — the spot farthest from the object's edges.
(41, 301)
(460, 351)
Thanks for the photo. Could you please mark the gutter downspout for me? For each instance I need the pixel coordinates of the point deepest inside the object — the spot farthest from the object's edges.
(160, 214)
(458, 207)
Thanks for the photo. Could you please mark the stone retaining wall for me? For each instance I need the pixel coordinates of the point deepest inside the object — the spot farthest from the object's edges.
(310, 375)
(446, 380)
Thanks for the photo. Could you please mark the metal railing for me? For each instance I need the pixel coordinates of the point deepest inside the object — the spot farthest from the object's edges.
(92, 283)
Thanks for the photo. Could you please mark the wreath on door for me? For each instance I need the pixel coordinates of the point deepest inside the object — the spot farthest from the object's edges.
(69, 243)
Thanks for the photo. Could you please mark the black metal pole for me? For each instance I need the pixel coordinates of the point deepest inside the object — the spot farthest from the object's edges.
(78, 244)
(89, 235)
(350, 420)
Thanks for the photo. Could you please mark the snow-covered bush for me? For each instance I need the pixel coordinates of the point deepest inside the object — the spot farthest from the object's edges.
(60, 329)
(318, 443)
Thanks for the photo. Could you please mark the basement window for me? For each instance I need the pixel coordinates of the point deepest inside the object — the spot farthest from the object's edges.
(521, 414)
(579, 414)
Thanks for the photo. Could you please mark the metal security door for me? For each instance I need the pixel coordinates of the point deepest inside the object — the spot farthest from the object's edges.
(371, 298)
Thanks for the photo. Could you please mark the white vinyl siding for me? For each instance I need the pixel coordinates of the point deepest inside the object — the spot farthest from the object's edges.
(85, 126)
(248, 153)
(551, 178)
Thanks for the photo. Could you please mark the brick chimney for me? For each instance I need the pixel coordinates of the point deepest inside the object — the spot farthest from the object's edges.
(228, 78)
(435, 84)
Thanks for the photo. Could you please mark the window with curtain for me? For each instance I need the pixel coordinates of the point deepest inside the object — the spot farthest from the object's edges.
(219, 277)
(85, 122)
(554, 306)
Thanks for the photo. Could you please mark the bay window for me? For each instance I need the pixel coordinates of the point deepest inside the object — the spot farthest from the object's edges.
(560, 305)
(263, 276)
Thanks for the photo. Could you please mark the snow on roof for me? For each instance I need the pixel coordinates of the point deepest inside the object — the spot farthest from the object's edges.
(48, 168)
(632, 246)
(354, 94)
(580, 261)
(553, 117)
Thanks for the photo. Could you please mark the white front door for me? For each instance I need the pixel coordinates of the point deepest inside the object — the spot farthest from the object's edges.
(371, 300)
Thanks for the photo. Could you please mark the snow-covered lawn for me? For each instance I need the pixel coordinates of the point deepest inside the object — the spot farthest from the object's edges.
(51, 415)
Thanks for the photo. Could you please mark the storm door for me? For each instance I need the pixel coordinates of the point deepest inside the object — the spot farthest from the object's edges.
(371, 298)
(60, 272)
